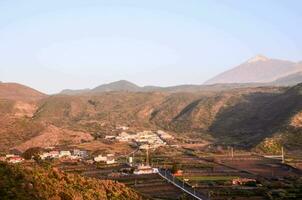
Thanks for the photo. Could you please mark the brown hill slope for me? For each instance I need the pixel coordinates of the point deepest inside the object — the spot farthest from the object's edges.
(17, 105)
(15, 91)
(244, 116)
(112, 108)
(178, 112)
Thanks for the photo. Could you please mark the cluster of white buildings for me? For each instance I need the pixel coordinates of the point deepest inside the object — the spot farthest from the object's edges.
(145, 169)
(11, 158)
(75, 154)
(164, 135)
(145, 139)
(124, 128)
(108, 159)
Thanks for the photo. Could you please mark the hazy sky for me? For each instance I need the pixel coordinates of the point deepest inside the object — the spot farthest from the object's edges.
(51, 45)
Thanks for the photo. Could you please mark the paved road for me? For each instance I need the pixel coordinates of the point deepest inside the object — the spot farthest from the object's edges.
(182, 185)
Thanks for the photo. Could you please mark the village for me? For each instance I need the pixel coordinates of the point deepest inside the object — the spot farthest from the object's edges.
(144, 140)
(157, 158)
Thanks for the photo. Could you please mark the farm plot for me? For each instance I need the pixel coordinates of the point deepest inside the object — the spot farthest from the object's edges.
(261, 166)
(152, 186)
(215, 180)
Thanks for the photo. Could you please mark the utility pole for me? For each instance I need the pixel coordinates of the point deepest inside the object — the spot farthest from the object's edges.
(282, 150)
(133, 158)
(147, 161)
(232, 152)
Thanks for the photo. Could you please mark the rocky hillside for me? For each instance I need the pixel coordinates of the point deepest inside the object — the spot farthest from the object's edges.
(32, 182)
(244, 116)
(258, 116)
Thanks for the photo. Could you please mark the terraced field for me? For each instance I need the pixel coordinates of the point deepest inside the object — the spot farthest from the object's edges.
(153, 186)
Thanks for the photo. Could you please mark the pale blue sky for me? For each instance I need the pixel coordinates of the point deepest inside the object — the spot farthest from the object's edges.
(51, 45)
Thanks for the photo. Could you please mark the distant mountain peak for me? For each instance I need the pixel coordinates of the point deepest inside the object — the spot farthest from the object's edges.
(121, 85)
(122, 81)
(258, 58)
(258, 69)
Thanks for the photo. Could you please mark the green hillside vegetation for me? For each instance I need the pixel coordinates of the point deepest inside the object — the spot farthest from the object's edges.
(20, 182)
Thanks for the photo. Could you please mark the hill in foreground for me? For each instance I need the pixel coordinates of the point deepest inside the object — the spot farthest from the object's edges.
(33, 182)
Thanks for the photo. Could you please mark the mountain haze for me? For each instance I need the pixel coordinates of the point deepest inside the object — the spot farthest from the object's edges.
(289, 80)
(121, 85)
(255, 72)
(259, 69)
(126, 86)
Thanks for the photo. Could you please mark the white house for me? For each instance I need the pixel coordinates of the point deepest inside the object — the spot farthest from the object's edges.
(15, 159)
(54, 154)
(110, 161)
(110, 137)
(64, 153)
(45, 155)
(164, 135)
(122, 128)
(100, 158)
(80, 153)
(9, 155)
(51, 154)
(144, 169)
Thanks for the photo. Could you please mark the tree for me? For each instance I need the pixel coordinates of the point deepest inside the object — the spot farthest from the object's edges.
(174, 168)
(32, 152)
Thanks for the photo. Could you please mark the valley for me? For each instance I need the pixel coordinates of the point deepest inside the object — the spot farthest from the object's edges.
(150, 100)
(190, 132)
(244, 117)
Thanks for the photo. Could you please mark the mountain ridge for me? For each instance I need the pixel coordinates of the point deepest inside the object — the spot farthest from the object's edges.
(121, 85)
(240, 116)
(255, 72)
(177, 88)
